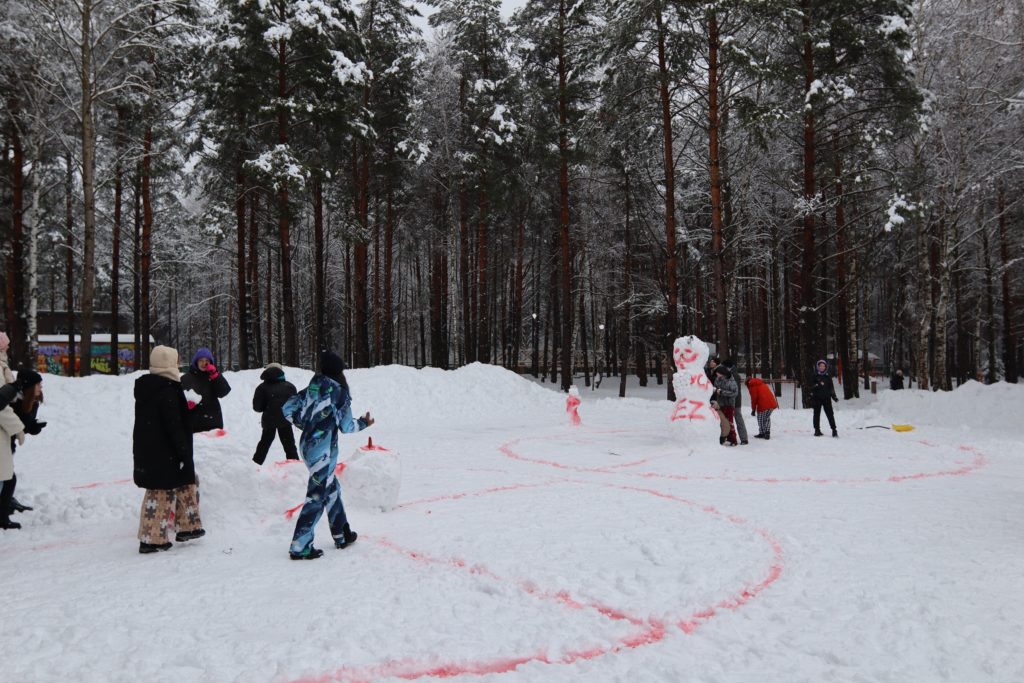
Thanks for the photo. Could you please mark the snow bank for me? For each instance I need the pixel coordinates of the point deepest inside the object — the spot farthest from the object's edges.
(973, 406)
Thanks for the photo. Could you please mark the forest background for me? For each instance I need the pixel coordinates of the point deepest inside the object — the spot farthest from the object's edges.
(562, 191)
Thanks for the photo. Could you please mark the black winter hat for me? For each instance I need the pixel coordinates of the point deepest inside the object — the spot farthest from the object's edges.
(331, 364)
(28, 378)
(723, 371)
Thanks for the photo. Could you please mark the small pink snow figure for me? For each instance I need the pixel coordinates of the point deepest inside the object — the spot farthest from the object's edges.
(572, 406)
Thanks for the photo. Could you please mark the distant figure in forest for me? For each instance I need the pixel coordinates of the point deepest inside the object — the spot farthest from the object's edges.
(269, 397)
(896, 383)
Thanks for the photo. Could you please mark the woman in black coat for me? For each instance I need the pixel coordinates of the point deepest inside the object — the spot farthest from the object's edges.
(162, 450)
(204, 379)
(268, 399)
(823, 393)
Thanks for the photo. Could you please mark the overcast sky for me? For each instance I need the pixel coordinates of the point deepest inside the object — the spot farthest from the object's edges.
(507, 8)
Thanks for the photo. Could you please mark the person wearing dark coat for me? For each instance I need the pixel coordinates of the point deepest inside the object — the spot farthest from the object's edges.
(204, 379)
(162, 450)
(741, 427)
(896, 383)
(23, 397)
(268, 399)
(823, 393)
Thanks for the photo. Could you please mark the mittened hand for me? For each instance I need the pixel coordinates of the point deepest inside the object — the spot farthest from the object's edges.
(835, 400)
(192, 404)
(35, 428)
(367, 419)
(212, 372)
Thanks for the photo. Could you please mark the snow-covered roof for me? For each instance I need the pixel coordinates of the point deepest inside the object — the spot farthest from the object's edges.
(96, 338)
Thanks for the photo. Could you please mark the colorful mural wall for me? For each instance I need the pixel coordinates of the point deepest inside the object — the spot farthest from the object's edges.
(53, 358)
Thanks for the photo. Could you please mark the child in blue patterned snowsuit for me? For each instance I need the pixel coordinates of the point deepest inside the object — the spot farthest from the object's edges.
(320, 410)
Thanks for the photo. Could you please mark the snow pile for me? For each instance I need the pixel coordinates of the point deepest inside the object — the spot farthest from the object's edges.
(371, 477)
(974, 406)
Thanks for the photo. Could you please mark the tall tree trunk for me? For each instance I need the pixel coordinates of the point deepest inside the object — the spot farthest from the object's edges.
(563, 199)
(483, 347)
(69, 273)
(146, 254)
(717, 236)
(241, 295)
(253, 283)
(517, 293)
(469, 350)
(291, 352)
(319, 283)
(990, 311)
(389, 255)
(136, 269)
(376, 279)
(361, 265)
(849, 372)
(115, 239)
(626, 319)
(15, 274)
(88, 188)
(808, 328)
(942, 378)
(32, 256)
(1010, 370)
(671, 323)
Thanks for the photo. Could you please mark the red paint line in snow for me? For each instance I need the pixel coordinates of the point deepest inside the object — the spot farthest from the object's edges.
(977, 463)
(97, 484)
(649, 631)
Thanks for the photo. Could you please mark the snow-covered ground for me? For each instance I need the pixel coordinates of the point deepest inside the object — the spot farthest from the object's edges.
(526, 550)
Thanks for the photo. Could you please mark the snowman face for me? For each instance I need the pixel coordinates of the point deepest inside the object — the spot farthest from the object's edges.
(690, 351)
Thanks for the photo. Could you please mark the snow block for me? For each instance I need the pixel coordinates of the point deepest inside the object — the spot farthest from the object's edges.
(371, 477)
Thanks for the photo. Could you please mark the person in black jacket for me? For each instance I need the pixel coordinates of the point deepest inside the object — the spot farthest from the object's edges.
(162, 450)
(896, 383)
(741, 427)
(24, 397)
(268, 399)
(204, 379)
(823, 393)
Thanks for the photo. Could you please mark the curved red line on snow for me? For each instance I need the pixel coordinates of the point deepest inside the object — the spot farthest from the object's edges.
(649, 630)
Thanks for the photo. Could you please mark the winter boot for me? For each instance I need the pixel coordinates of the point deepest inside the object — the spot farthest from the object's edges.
(309, 553)
(189, 535)
(758, 436)
(817, 432)
(721, 440)
(767, 436)
(146, 548)
(348, 537)
(18, 507)
(8, 524)
(835, 434)
(744, 443)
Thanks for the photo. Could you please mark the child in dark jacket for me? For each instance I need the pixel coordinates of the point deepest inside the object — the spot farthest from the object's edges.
(726, 393)
(268, 399)
(823, 393)
(205, 379)
(320, 410)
